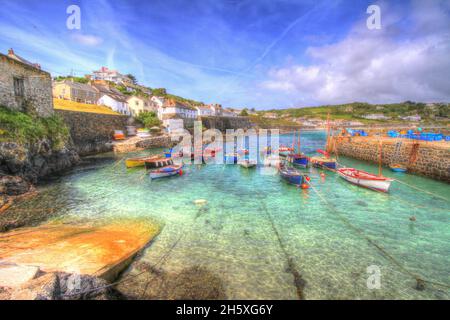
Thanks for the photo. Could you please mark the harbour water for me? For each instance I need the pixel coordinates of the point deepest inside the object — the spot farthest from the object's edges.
(255, 233)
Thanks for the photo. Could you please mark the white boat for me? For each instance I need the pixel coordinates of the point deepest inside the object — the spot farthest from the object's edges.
(166, 172)
(247, 164)
(365, 179)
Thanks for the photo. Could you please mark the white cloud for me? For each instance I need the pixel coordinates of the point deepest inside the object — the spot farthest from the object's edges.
(374, 66)
(86, 39)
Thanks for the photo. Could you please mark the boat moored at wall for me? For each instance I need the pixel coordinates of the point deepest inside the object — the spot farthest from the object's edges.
(167, 172)
(365, 179)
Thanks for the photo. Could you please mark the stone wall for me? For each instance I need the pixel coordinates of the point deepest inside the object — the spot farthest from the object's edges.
(433, 159)
(92, 132)
(223, 123)
(37, 85)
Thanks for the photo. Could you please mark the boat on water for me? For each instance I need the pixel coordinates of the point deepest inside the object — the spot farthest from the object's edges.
(293, 176)
(139, 162)
(158, 163)
(168, 171)
(398, 168)
(365, 179)
(298, 160)
(323, 162)
(247, 164)
(231, 158)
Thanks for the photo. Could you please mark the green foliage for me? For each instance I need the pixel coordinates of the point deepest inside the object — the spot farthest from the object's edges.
(159, 92)
(162, 92)
(244, 113)
(24, 128)
(132, 78)
(358, 110)
(148, 119)
(75, 79)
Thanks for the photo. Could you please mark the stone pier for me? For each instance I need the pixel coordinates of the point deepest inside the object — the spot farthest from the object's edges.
(431, 159)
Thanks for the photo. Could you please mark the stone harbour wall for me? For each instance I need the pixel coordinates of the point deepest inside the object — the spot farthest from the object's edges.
(92, 132)
(138, 144)
(433, 159)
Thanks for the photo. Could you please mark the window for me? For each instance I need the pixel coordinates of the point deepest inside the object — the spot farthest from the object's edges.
(19, 87)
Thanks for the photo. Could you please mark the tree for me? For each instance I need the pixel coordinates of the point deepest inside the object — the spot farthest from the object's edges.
(148, 119)
(244, 113)
(132, 78)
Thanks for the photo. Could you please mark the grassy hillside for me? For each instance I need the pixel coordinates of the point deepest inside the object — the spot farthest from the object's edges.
(25, 128)
(81, 107)
(356, 111)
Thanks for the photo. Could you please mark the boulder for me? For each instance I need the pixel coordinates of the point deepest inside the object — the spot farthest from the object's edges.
(12, 276)
(13, 185)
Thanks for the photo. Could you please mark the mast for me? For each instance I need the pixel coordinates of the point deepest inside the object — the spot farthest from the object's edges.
(380, 158)
(298, 143)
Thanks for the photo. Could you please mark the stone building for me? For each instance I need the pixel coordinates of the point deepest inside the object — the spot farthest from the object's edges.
(24, 86)
(74, 91)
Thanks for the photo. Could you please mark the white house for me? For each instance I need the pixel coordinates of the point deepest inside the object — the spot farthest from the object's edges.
(216, 109)
(158, 100)
(412, 118)
(110, 75)
(229, 113)
(376, 116)
(115, 102)
(172, 109)
(204, 111)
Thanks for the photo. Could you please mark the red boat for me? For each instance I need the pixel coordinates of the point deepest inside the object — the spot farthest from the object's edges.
(365, 179)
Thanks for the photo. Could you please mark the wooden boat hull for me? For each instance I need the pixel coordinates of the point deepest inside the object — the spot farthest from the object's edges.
(320, 162)
(292, 176)
(137, 162)
(247, 164)
(158, 163)
(364, 179)
(166, 172)
(398, 169)
(299, 160)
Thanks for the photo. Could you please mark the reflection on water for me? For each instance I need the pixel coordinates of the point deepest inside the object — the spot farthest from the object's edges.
(245, 253)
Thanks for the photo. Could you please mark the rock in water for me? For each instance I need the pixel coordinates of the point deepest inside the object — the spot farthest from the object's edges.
(13, 185)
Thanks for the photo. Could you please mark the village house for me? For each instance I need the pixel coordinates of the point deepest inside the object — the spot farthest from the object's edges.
(376, 116)
(270, 115)
(112, 98)
(415, 118)
(137, 105)
(158, 100)
(24, 86)
(204, 111)
(229, 113)
(106, 74)
(75, 91)
(216, 109)
(173, 109)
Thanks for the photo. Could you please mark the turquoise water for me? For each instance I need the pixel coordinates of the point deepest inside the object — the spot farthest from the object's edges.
(234, 236)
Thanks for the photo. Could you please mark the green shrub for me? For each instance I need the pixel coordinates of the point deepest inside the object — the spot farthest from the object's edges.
(25, 128)
(148, 119)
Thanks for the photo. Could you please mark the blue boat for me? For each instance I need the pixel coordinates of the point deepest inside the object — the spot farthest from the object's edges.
(231, 158)
(398, 168)
(298, 160)
(292, 175)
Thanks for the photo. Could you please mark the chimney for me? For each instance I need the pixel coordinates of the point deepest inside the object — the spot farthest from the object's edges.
(10, 52)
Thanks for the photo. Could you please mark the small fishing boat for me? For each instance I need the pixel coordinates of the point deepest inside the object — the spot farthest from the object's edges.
(298, 159)
(323, 162)
(398, 168)
(158, 163)
(247, 164)
(293, 176)
(167, 172)
(138, 162)
(365, 179)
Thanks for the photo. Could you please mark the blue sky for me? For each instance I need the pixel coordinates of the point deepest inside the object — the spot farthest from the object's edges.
(255, 53)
